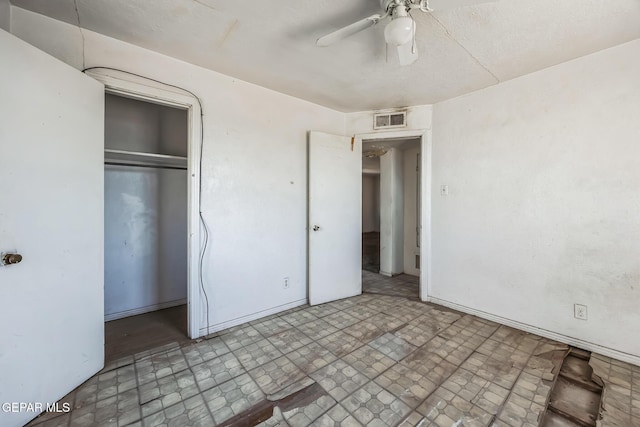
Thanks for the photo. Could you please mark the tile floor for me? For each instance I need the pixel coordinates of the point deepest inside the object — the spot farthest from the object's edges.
(621, 394)
(402, 285)
(373, 360)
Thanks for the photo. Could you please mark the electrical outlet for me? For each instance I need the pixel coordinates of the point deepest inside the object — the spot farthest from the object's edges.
(285, 284)
(580, 311)
(444, 190)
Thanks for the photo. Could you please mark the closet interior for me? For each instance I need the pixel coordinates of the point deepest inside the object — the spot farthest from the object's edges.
(145, 253)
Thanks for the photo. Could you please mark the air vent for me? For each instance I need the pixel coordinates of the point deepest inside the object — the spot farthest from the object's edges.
(390, 120)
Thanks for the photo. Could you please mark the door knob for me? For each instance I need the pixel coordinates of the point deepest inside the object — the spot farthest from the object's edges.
(316, 227)
(8, 259)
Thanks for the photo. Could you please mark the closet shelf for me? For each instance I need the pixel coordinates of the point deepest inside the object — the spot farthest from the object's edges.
(136, 158)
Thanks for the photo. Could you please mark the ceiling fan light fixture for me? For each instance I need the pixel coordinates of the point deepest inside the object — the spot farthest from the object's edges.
(399, 31)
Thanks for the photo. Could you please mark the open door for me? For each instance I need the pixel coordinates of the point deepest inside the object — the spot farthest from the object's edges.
(335, 217)
(51, 213)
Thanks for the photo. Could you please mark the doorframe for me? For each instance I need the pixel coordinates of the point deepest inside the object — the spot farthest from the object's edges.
(425, 197)
(143, 89)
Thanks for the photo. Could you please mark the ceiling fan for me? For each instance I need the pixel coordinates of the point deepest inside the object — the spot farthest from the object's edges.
(401, 31)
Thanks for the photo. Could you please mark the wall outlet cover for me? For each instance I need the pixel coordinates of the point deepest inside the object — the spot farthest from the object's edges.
(580, 311)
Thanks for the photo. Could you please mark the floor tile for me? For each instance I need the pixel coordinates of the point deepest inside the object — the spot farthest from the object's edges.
(257, 353)
(341, 320)
(500, 372)
(118, 363)
(418, 335)
(343, 304)
(340, 343)
(519, 340)
(204, 350)
(311, 357)
(386, 322)
(476, 390)
(232, 397)
(161, 349)
(405, 314)
(444, 408)
(160, 365)
(60, 420)
(365, 331)
(368, 361)
(429, 364)
(339, 379)
(519, 411)
(190, 412)
(443, 316)
(452, 350)
(289, 340)
(273, 326)
(168, 390)
(415, 419)
(361, 311)
(336, 417)
(216, 371)
(240, 337)
(374, 359)
(373, 405)
(121, 409)
(317, 328)
(532, 388)
(392, 346)
(322, 310)
(307, 413)
(299, 317)
(406, 384)
(276, 375)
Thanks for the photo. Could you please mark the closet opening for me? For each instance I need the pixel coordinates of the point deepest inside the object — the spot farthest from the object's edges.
(146, 225)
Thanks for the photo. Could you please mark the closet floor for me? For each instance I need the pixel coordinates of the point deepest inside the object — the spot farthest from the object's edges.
(131, 335)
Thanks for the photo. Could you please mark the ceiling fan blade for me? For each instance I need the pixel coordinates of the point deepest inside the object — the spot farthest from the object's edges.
(408, 53)
(437, 5)
(349, 30)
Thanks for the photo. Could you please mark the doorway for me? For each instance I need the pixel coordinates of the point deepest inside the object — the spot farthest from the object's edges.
(391, 216)
(134, 87)
(146, 240)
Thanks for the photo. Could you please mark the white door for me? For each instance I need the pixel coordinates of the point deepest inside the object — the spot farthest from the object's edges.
(51, 213)
(335, 217)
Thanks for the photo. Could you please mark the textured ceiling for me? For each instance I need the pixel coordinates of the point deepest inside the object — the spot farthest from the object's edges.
(272, 43)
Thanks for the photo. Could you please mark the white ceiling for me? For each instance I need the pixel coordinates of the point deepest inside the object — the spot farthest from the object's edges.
(272, 43)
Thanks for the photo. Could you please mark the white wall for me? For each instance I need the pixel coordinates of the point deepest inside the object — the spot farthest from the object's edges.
(254, 169)
(145, 240)
(370, 203)
(5, 15)
(391, 213)
(418, 118)
(544, 201)
(410, 178)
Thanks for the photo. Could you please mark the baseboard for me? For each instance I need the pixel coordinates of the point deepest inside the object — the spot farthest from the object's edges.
(142, 310)
(586, 345)
(248, 318)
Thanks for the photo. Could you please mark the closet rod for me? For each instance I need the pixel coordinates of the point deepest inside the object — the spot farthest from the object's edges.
(146, 166)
